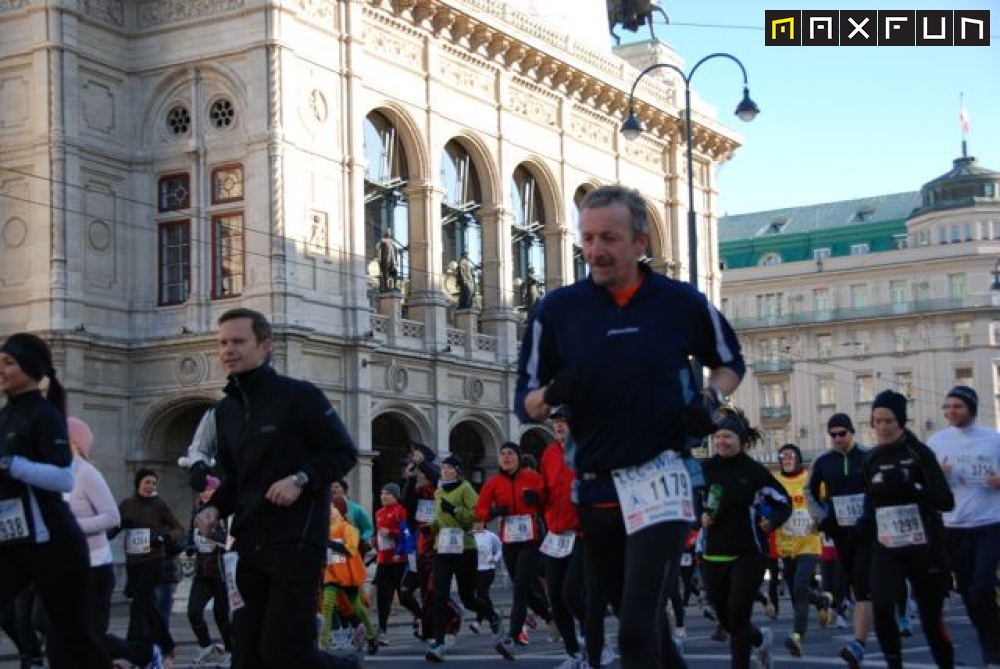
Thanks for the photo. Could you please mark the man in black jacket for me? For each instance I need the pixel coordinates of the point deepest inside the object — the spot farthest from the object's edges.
(280, 446)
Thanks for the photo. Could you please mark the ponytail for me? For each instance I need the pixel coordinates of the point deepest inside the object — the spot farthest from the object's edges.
(56, 392)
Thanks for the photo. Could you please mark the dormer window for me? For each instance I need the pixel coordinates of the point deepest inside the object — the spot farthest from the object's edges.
(778, 225)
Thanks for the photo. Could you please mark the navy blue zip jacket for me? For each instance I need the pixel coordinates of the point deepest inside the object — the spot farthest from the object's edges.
(270, 427)
(838, 474)
(630, 364)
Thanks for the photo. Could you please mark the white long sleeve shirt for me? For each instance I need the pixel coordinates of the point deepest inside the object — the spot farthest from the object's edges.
(973, 453)
(95, 509)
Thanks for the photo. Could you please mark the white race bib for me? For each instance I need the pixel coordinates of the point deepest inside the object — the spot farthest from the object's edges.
(137, 541)
(203, 544)
(229, 562)
(334, 557)
(558, 545)
(686, 559)
(974, 470)
(799, 524)
(517, 529)
(13, 521)
(900, 526)
(386, 543)
(848, 508)
(658, 491)
(450, 541)
(425, 510)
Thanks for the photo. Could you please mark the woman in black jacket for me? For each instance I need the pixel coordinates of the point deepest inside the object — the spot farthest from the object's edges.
(906, 491)
(745, 503)
(40, 540)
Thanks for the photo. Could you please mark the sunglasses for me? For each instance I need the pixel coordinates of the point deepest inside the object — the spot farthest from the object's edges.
(838, 434)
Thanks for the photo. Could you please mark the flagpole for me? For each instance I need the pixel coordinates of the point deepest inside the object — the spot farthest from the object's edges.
(963, 122)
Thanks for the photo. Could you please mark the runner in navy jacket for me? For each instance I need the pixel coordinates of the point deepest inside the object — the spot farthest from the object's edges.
(614, 348)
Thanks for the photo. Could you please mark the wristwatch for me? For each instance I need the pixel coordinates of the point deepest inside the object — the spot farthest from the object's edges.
(301, 479)
(5, 464)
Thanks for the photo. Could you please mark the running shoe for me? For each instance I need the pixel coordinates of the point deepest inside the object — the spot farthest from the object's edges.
(905, 630)
(522, 639)
(853, 654)
(794, 644)
(474, 627)
(505, 647)
(574, 662)
(156, 661)
(764, 649)
(607, 655)
(435, 653)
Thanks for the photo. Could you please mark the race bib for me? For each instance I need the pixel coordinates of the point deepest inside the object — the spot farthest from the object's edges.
(137, 541)
(13, 521)
(974, 470)
(450, 541)
(799, 524)
(558, 545)
(686, 559)
(334, 557)
(848, 508)
(386, 543)
(658, 491)
(900, 526)
(229, 562)
(204, 545)
(425, 510)
(517, 529)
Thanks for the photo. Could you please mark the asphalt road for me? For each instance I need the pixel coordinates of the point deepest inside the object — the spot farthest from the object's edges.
(475, 650)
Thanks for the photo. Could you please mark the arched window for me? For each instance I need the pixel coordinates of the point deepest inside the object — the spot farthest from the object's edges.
(528, 242)
(770, 259)
(386, 207)
(461, 228)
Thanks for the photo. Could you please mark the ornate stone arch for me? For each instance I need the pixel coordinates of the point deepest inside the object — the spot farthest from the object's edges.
(418, 162)
(175, 86)
(416, 423)
(491, 185)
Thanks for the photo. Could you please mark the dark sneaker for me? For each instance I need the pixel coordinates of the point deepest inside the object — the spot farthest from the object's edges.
(853, 654)
(505, 647)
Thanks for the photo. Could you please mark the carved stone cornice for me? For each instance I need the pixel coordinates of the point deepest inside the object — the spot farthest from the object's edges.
(153, 13)
(499, 32)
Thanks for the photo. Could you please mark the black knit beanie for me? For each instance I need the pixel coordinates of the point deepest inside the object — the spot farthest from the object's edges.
(967, 395)
(33, 355)
(894, 402)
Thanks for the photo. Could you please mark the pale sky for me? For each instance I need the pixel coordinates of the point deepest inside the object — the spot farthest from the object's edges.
(836, 123)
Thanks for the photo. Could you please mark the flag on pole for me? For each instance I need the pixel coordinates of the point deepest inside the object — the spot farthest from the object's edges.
(963, 116)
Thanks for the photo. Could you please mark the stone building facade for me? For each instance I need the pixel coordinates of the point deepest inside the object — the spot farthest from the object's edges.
(836, 302)
(162, 161)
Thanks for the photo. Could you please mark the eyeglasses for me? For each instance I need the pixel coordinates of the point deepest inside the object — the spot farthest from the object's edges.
(838, 434)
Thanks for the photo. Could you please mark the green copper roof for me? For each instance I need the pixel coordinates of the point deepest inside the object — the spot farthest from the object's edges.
(818, 217)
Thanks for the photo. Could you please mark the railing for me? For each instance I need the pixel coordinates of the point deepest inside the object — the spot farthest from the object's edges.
(874, 311)
(783, 412)
(773, 367)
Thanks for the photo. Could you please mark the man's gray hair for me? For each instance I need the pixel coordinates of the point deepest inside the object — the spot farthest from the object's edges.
(631, 198)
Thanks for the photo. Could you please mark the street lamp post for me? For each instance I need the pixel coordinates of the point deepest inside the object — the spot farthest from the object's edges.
(746, 110)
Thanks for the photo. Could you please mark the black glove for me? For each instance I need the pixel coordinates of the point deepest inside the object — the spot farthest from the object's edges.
(497, 510)
(697, 415)
(197, 476)
(828, 525)
(447, 507)
(337, 547)
(531, 497)
(158, 541)
(562, 388)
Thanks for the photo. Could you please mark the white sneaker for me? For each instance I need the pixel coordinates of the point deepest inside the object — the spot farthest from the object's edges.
(575, 662)
(225, 661)
(607, 655)
(680, 637)
(841, 622)
(764, 649)
(204, 654)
